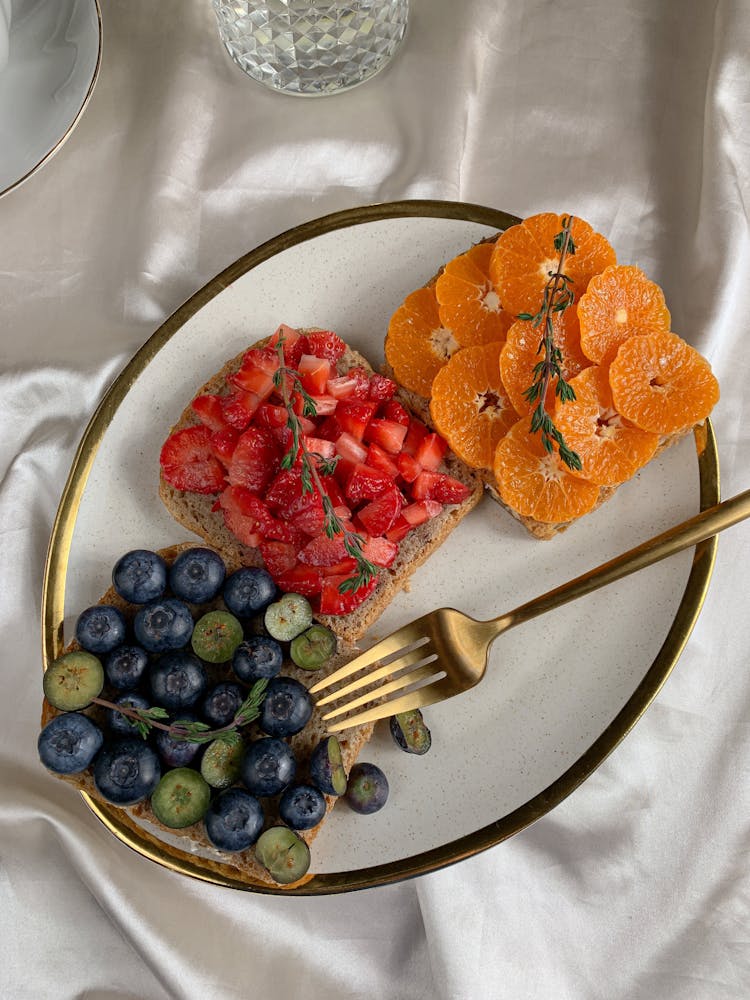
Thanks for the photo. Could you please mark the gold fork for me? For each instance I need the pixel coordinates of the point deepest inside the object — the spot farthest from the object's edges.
(445, 652)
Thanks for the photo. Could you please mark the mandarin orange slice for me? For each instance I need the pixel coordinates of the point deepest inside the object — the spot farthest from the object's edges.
(468, 304)
(469, 406)
(523, 349)
(619, 303)
(610, 449)
(662, 384)
(417, 344)
(535, 483)
(525, 255)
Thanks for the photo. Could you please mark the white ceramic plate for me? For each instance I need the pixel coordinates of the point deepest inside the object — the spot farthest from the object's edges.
(54, 55)
(560, 692)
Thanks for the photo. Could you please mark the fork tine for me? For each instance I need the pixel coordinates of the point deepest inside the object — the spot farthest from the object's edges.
(385, 647)
(409, 659)
(413, 677)
(420, 698)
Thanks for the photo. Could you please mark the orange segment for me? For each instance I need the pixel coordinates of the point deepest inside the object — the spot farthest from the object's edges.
(417, 345)
(661, 383)
(620, 302)
(522, 351)
(469, 407)
(535, 483)
(468, 304)
(610, 449)
(525, 254)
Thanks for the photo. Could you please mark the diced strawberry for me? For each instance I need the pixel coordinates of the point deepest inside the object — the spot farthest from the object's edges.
(366, 483)
(271, 416)
(325, 344)
(354, 415)
(387, 433)
(430, 452)
(239, 407)
(421, 511)
(323, 551)
(380, 551)
(391, 409)
(400, 529)
(305, 580)
(223, 444)
(209, 411)
(347, 567)
(381, 460)
(306, 514)
(342, 386)
(324, 405)
(408, 466)
(264, 358)
(317, 446)
(414, 436)
(329, 429)
(188, 463)
(294, 343)
(245, 514)
(350, 449)
(334, 602)
(278, 556)
(381, 387)
(285, 488)
(438, 486)
(335, 494)
(377, 516)
(255, 381)
(314, 373)
(255, 460)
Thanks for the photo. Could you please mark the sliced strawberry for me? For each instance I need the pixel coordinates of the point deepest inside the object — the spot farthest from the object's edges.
(278, 556)
(239, 408)
(366, 483)
(399, 531)
(223, 444)
(306, 514)
(329, 429)
(342, 386)
(408, 466)
(414, 436)
(264, 358)
(438, 486)
(323, 551)
(255, 460)
(209, 411)
(431, 451)
(294, 343)
(244, 514)
(188, 463)
(318, 446)
(284, 489)
(381, 388)
(380, 551)
(314, 373)
(354, 415)
(350, 449)
(346, 568)
(255, 381)
(377, 516)
(325, 344)
(334, 602)
(381, 460)
(271, 416)
(421, 511)
(387, 433)
(335, 495)
(305, 580)
(391, 409)
(324, 405)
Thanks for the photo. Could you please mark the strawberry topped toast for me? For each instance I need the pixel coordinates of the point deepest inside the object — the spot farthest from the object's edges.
(297, 456)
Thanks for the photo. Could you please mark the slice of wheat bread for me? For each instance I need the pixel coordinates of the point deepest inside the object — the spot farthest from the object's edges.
(194, 513)
(243, 865)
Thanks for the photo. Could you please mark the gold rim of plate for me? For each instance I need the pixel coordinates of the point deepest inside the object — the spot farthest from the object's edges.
(53, 595)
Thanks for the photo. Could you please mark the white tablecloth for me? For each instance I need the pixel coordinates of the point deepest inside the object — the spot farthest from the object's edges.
(632, 114)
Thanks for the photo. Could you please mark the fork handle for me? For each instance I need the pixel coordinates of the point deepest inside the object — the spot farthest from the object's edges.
(682, 536)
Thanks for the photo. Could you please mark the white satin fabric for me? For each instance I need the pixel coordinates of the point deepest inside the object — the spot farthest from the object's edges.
(632, 114)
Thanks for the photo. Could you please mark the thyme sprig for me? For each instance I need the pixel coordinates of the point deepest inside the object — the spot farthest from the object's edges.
(146, 719)
(312, 466)
(558, 296)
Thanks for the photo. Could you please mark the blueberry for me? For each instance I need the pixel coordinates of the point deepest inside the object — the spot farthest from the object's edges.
(302, 807)
(216, 635)
(68, 743)
(140, 576)
(268, 766)
(162, 625)
(286, 708)
(283, 853)
(197, 575)
(178, 680)
(248, 590)
(181, 798)
(175, 752)
(126, 772)
(72, 680)
(326, 767)
(257, 657)
(125, 667)
(409, 732)
(234, 820)
(121, 724)
(221, 704)
(367, 790)
(222, 760)
(100, 629)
